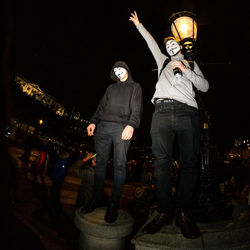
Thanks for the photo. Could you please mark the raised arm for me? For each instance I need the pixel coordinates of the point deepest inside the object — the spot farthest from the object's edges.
(152, 44)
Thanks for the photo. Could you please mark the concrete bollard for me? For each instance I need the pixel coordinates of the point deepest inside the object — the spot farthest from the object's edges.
(96, 234)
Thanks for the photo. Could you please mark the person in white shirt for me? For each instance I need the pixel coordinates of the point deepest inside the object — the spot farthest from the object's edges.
(176, 118)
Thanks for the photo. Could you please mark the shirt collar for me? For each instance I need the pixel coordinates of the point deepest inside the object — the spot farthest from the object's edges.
(178, 57)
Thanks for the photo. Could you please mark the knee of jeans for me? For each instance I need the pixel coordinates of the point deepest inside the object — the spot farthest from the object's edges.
(120, 167)
(189, 161)
(162, 161)
(101, 164)
(162, 165)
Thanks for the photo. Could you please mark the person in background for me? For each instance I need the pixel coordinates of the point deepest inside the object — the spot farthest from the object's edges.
(41, 167)
(57, 175)
(26, 155)
(84, 169)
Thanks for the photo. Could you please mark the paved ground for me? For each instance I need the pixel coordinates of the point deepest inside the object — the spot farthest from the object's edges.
(30, 211)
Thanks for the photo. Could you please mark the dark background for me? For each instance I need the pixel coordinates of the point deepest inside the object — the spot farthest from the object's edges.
(68, 49)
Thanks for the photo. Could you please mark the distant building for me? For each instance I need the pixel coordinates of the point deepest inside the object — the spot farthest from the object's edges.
(35, 91)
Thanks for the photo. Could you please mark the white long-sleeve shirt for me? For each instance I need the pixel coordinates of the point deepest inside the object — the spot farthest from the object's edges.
(168, 85)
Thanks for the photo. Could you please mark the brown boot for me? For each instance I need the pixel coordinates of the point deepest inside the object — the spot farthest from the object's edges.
(188, 226)
(158, 222)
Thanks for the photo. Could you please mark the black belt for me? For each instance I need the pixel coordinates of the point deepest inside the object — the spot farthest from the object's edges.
(163, 100)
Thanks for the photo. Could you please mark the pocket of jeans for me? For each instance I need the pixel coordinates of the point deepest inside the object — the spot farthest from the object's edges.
(191, 109)
(161, 109)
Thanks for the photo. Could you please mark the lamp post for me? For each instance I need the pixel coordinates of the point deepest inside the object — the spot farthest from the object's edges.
(184, 28)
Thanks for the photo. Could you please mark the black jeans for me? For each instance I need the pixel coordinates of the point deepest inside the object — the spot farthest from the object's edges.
(109, 133)
(180, 122)
(55, 205)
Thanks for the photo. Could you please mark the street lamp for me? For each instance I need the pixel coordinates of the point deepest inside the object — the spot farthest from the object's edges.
(184, 28)
(40, 122)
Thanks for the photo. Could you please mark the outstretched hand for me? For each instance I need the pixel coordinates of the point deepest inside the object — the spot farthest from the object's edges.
(134, 18)
(87, 157)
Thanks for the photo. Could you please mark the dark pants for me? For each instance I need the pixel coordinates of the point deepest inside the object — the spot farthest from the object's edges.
(109, 133)
(175, 121)
(85, 191)
(55, 205)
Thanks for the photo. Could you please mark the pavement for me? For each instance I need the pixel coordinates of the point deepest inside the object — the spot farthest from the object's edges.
(218, 235)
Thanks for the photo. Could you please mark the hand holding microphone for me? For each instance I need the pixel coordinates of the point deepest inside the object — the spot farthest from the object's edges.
(178, 68)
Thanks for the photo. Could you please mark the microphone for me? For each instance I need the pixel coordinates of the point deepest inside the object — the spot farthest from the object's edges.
(177, 72)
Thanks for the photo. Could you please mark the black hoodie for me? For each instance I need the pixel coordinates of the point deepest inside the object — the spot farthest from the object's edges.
(122, 101)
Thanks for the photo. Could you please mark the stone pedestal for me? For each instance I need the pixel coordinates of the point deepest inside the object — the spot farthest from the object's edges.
(96, 234)
(219, 235)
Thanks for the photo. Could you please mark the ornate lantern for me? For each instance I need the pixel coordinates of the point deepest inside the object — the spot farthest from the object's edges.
(184, 28)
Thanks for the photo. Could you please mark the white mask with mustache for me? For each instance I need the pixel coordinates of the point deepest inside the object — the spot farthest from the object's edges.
(120, 72)
(172, 47)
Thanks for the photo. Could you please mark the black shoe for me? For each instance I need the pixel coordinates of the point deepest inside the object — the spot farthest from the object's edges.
(111, 213)
(188, 226)
(158, 222)
(91, 206)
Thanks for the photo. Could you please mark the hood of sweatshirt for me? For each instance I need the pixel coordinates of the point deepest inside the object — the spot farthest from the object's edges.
(121, 64)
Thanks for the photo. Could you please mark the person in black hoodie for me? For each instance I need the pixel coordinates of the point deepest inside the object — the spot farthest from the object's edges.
(114, 121)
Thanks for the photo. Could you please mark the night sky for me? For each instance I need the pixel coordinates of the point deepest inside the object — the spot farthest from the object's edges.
(68, 49)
